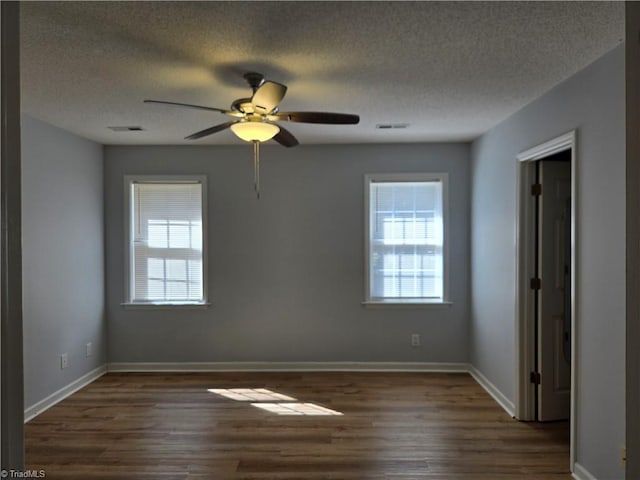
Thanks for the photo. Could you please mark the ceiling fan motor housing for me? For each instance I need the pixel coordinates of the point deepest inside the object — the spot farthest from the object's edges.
(242, 105)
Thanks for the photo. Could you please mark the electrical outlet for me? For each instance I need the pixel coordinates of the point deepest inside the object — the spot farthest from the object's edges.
(64, 361)
(89, 349)
(415, 339)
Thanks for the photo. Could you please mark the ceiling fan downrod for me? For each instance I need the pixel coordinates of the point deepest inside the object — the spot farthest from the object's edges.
(254, 80)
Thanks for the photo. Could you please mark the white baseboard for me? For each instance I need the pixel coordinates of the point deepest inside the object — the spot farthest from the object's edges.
(64, 392)
(288, 367)
(581, 473)
(492, 390)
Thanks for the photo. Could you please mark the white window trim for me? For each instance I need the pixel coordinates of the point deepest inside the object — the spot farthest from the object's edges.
(128, 304)
(406, 177)
(422, 305)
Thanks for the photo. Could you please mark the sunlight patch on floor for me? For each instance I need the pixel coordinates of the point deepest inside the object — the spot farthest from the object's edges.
(273, 402)
(251, 394)
(296, 409)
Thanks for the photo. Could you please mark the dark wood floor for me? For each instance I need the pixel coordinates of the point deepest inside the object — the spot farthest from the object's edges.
(400, 426)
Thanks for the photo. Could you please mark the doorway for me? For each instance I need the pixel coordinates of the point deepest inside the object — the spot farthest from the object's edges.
(551, 288)
(546, 288)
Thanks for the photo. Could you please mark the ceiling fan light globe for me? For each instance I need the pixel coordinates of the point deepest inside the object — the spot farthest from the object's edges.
(255, 131)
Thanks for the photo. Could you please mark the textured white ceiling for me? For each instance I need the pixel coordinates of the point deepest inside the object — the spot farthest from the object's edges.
(451, 70)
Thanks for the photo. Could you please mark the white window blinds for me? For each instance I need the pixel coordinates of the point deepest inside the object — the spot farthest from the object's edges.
(166, 260)
(406, 235)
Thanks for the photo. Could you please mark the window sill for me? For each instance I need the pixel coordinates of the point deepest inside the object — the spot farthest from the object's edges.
(166, 306)
(415, 304)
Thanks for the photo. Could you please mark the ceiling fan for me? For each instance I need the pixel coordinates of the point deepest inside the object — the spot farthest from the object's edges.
(256, 117)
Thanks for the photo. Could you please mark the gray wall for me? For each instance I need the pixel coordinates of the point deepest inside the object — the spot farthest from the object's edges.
(593, 103)
(63, 257)
(286, 271)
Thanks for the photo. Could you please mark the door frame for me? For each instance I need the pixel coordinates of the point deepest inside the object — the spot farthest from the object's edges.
(11, 348)
(525, 270)
(632, 51)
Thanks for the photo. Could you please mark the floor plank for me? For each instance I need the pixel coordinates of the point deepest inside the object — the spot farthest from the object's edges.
(390, 426)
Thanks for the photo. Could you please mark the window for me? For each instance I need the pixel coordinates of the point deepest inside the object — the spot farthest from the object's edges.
(165, 240)
(405, 240)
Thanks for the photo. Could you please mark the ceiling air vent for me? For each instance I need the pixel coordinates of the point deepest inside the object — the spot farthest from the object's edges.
(126, 129)
(391, 126)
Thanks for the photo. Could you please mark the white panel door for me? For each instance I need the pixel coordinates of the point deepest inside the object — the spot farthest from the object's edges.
(554, 267)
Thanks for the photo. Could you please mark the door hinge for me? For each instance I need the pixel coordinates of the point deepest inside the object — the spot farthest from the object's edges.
(536, 284)
(535, 378)
(536, 189)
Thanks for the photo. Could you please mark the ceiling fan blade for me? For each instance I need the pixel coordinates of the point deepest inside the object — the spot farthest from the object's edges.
(319, 117)
(286, 138)
(200, 107)
(268, 96)
(210, 131)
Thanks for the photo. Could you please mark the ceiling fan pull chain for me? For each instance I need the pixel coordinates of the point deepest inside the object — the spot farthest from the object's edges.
(256, 167)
